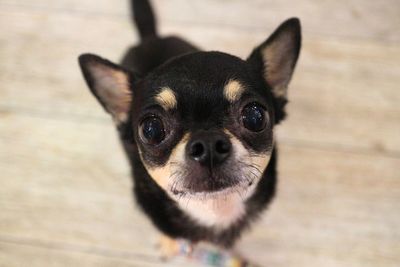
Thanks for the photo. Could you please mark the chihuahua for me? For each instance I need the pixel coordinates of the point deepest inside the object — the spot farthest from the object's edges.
(197, 127)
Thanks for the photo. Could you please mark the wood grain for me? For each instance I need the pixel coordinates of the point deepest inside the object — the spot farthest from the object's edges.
(357, 19)
(334, 78)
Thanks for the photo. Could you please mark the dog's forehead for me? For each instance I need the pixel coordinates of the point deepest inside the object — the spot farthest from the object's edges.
(200, 69)
(200, 81)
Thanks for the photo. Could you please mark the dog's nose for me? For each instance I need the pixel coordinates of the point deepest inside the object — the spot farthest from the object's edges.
(209, 148)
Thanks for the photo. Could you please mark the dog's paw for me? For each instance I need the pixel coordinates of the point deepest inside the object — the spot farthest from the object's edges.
(168, 247)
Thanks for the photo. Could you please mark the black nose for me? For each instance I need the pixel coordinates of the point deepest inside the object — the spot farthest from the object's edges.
(209, 148)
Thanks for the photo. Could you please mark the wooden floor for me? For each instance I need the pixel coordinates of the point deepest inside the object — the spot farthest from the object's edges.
(65, 190)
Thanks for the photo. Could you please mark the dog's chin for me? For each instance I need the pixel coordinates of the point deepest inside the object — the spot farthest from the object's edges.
(194, 181)
(213, 190)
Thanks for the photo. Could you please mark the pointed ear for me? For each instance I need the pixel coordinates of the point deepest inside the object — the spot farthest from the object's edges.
(109, 83)
(276, 58)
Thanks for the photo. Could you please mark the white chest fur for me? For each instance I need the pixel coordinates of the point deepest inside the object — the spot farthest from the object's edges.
(219, 212)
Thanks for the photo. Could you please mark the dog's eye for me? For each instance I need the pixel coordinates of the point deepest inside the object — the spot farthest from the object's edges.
(253, 117)
(151, 130)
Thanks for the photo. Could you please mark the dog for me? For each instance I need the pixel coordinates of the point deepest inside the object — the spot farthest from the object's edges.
(197, 127)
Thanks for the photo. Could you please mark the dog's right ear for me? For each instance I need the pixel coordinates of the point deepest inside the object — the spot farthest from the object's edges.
(275, 59)
(110, 84)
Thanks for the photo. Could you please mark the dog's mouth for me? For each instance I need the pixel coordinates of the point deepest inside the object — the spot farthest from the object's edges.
(214, 193)
(192, 180)
(211, 187)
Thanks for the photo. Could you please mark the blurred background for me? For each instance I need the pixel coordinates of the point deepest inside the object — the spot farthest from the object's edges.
(65, 187)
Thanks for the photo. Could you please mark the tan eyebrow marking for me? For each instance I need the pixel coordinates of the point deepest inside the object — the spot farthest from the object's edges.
(233, 90)
(166, 98)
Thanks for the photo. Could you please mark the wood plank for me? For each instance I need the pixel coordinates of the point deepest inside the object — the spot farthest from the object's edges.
(66, 188)
(61, 186)
(21, 255)
(38, 254)
(332, 209)
(344, 93)
(345, 19)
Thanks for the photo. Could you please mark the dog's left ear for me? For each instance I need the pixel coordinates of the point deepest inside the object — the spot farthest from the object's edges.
(110, 84)
(276, 58)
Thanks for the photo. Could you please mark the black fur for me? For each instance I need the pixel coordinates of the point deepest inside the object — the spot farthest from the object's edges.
(197, 78)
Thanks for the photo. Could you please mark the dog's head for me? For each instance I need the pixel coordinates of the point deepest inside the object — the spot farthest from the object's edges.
(202, 122)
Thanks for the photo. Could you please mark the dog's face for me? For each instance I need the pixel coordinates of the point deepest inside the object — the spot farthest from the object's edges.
(202, 122)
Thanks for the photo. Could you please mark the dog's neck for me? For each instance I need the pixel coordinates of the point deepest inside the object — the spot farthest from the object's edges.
(218, 212)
